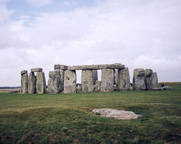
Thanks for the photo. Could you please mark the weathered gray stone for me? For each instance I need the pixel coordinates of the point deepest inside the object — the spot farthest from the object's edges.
(97, 67)
(123, 79)
(162, 88)
(154, 80)
(62, 80)
(95, 76)
(116, 77)
(139, 79)
(23, 72)
(87, 81)
(118, 114)
(14, 91)
(24, 81)
(60, 67)
(36, 70)
(97, 86)
(40, 83)
(148, 74)
(54, 85)
(107, 80)
(32, 83)
(69, 81)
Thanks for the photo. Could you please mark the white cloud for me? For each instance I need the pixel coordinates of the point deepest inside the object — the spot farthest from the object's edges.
(138, 34)
(39, 3)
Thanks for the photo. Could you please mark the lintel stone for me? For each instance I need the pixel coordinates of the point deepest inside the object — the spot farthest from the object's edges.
(60, 67)
(97, 67)
(36, 70)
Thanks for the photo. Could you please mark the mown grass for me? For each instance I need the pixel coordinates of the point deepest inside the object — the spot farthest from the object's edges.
(67, 118)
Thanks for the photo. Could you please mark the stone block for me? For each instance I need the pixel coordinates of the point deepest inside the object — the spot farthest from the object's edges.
(139, 79)
(97, 67)
(87, 81)
(32, 83)
(40, 83)
(107, 80)
(123, 79)
(70, 81)
(24, 82)
(23, 72)
(154, 80)
(54, 82)
(95, 76)
(36, 70)
(60, 67)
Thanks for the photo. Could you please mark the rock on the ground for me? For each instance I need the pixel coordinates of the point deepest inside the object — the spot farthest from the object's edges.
(162, 88)
(118, 114)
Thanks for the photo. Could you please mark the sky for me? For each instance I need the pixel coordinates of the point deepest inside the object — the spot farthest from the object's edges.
(136, 33)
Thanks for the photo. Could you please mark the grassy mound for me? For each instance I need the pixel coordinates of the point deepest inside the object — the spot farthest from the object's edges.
(67, 118)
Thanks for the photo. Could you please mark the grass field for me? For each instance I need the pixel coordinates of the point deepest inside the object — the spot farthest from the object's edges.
(67, 118)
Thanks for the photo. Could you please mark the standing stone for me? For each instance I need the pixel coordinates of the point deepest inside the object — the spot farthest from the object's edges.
(40, 83)
(54, 82)
(148, 74)
(139, 79)
(24, 81)
(95, 76)
(107, 80)
(123, 79)
(116, 76)
(87, 81)
(154, 80)
(62, 80)
(70, 81)
(32, 83)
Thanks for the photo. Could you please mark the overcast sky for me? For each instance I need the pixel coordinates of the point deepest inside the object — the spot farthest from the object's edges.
(137, 33)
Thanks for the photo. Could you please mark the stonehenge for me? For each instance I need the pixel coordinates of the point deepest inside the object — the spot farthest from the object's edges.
(33, 83)
(114, 77)
(70, 81)
(144, 79)
(24, 81)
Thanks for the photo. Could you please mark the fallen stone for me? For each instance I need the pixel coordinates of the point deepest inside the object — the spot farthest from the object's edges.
(139, 79)
(118, 114)
(162, 88)
(36, 70)
(14, 91)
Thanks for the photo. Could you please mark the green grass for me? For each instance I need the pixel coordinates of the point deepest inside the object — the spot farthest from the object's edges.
(67, 118)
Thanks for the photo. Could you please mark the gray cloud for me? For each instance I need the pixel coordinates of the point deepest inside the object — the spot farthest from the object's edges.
(136, 33)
